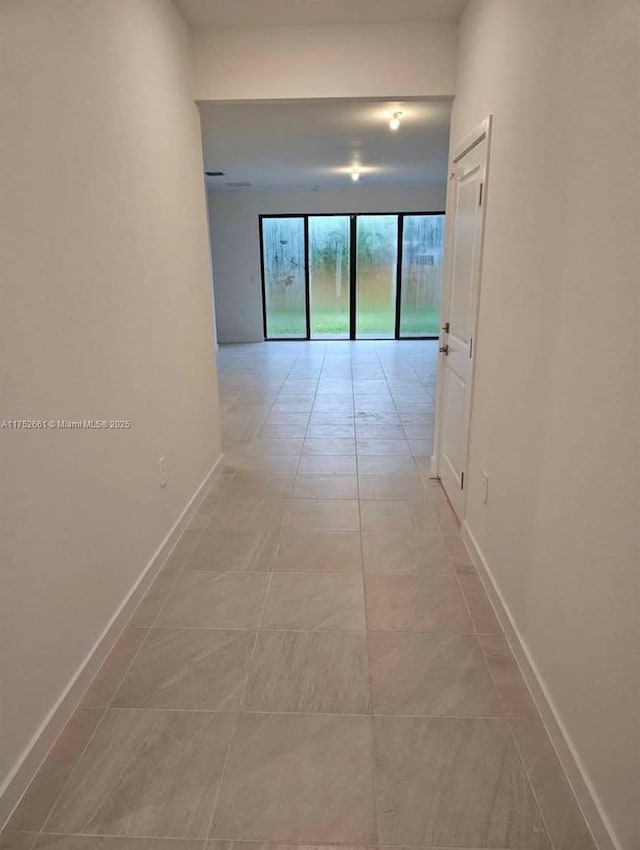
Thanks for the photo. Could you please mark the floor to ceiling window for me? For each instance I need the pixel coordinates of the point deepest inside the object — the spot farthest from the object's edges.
(422, 250)
(329, 276)
(366, 276)
(284, 279)
(376, 273)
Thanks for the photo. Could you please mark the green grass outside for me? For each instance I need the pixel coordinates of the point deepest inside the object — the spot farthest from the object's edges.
(415, 321)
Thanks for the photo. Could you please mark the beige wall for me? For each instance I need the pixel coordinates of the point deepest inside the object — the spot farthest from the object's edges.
(349, 60)
(556, 407)
(234, 217)
(106, 313)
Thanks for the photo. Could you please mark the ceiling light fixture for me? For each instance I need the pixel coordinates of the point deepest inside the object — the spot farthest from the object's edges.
(355, 174)
(395, 120)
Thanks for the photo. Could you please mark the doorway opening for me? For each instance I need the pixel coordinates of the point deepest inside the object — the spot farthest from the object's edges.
(357, 276)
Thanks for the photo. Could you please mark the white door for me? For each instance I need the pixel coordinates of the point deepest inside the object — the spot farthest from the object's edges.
(460, 304)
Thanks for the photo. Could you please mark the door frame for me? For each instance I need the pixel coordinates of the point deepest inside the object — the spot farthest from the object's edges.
(480, 132)
(353, 250)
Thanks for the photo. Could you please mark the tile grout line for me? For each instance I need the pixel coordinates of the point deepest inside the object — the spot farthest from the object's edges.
(310, 631)
(530, 784)
(372, 724)
(226, 712)
(242, 699)
(254, 841)
(248, 674)
(270, 408)
(386, 379)
(306, 430)
(427, 391)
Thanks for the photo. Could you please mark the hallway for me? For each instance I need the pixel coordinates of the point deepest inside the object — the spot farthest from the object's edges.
(317, 661)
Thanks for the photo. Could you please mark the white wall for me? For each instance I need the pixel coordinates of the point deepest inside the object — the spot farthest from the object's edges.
(106, 313)
(235, 244)
(556, 408)
(414, 59)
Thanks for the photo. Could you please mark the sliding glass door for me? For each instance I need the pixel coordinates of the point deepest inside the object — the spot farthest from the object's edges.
(368, 276)
(377, 262)
(283, 248)
(422, 249)
(329, 276)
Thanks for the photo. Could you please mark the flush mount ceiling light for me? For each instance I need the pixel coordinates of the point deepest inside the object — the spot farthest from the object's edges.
(395, 120)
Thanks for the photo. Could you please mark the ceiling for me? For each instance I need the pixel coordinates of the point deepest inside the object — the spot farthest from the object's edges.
(316, 144)
(231, 13)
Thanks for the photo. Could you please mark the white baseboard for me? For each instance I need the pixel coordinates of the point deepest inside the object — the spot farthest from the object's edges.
(569, 759)
(45, 737)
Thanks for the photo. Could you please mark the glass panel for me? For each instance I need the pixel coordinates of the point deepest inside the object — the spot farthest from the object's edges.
(284, 277)
(422, 249)
(377, 256)
(329, 276)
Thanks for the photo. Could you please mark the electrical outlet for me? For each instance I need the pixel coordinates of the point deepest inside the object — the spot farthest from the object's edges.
(164, 478)
(485, 487)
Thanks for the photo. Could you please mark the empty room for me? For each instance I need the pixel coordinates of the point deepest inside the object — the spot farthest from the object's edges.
(320, 423)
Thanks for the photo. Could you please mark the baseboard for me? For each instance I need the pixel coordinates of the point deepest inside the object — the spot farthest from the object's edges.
(45, 737)
(569, 759)
(240, 341)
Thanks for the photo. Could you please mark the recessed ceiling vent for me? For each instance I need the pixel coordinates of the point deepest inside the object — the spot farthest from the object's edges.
(238, 185)
(214, 173)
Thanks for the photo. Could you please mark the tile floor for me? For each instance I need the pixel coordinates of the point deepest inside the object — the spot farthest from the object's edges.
(317, 662)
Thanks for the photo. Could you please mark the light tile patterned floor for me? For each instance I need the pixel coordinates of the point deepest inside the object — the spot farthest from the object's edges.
(317, 662)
